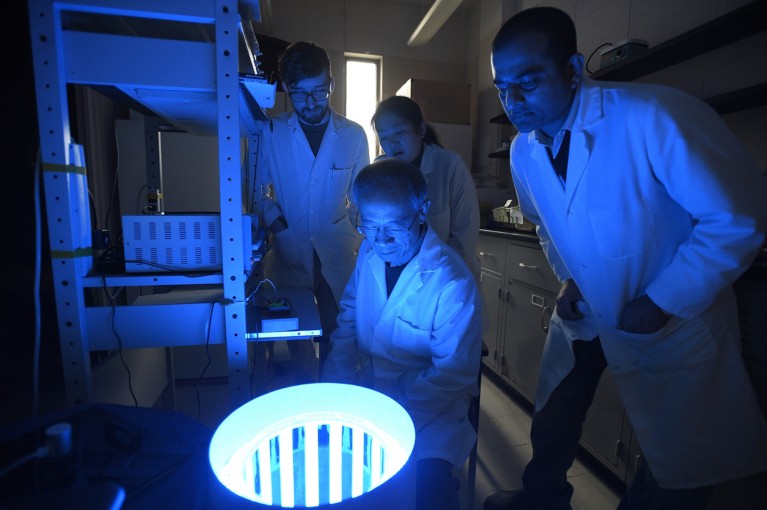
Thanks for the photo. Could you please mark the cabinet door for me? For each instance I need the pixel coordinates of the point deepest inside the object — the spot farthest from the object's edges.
(491, 287)
(528, 312)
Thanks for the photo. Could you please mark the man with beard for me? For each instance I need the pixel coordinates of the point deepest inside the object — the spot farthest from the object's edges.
(308, 159)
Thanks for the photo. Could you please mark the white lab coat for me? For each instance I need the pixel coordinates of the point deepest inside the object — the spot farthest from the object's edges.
(661, 199)
(454, 210)
(311, 194)
(421, 345)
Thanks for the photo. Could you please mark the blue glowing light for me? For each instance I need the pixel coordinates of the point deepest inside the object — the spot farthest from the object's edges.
(311, 445)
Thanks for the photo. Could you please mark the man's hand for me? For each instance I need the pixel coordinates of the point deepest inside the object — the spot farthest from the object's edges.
(567, 301)
(642, 315)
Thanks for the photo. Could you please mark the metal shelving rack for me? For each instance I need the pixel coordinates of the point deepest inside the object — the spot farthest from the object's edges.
(173, 63)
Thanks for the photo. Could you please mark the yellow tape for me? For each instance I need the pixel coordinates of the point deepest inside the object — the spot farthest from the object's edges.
(79, 252)
(55, 167)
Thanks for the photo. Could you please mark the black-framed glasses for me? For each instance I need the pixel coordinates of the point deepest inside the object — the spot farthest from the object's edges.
(395, 232)
(317, 95)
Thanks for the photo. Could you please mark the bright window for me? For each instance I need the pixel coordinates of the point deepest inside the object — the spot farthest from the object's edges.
(362, 96)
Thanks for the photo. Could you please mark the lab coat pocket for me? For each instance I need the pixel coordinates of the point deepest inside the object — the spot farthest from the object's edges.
(614, 239)
(409, 339)
(679, 345)
(338, 182)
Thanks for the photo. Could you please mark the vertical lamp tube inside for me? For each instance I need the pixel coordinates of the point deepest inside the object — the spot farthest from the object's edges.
(312, 445)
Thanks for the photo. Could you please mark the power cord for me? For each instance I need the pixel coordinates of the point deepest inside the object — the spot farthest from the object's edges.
(58, 443)
(36, 290)
(265, 280)
(593, 53)
(208, 327)
(172, 269)
(117, 336)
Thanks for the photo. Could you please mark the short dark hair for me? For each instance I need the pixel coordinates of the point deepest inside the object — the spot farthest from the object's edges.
(554, 23)
(409, 110)
(390, 180)
(302, 60)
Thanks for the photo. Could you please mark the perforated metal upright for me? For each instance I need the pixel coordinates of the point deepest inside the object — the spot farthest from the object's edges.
(231, 197)
(64, 179)
(62, 57)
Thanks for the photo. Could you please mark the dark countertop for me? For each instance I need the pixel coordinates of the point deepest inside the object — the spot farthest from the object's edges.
(509, 233)
(758, 266)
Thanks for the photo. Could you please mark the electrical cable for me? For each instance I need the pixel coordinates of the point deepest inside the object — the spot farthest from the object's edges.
(92, 208)
(36, 289)
(116, 167)
(256, 186)
(208, 327)
(58, 443)
(259, 286)
(592, 55)
(122, 359)
(119, 339)
(172, 270)
(140, 195)
(37, 454)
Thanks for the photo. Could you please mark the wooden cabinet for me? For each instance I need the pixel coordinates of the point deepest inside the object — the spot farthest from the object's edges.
(519, 294)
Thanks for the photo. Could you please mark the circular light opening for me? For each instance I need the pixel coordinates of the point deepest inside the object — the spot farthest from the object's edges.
(311, 445)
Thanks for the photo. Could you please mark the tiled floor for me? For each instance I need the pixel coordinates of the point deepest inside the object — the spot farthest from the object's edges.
(504, 449)
(502, 452)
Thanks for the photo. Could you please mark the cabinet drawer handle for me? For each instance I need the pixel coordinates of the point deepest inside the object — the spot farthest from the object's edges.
(527, 266)
(483, 254)
(544, 322)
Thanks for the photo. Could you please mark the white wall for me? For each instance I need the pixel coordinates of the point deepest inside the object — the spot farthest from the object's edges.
(460, 52)
(375, 27)
(732, 67)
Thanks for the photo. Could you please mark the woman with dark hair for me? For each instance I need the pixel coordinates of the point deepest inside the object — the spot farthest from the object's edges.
(454, 214)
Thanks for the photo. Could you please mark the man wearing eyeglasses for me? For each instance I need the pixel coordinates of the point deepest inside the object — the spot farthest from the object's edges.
(648, 208)
(409, 326)
(308, 159)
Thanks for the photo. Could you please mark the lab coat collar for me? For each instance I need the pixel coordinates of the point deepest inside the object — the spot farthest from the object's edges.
(423, 265)
(589, 112)
(591, 107)
(430, 253)
(427, 165)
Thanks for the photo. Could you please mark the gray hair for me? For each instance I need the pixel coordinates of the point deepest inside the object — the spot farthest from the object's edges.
(390, 180)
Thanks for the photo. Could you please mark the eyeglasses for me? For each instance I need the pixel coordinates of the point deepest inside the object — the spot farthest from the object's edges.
(317, 95)
(395, 232)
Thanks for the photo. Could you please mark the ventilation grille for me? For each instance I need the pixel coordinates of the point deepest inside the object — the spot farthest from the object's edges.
(172, 243)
